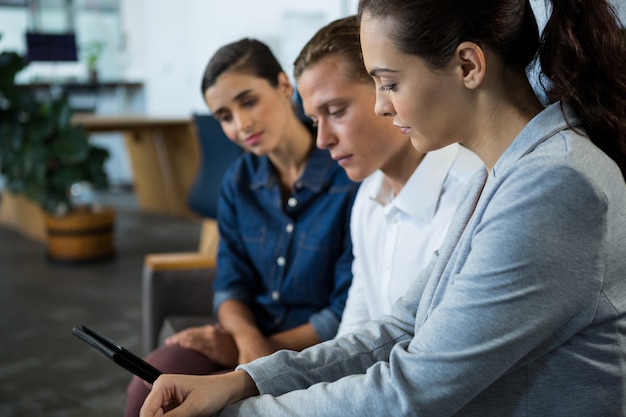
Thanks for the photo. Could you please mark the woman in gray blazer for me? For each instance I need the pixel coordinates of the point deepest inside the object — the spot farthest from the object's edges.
(523, 309)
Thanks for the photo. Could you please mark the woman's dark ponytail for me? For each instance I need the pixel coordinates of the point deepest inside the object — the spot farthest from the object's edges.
(583, 55)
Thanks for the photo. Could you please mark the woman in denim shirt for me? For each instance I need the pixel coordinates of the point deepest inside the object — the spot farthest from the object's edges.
(285, 254)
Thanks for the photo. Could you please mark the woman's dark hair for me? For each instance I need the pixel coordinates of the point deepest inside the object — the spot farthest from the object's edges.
(581, 50)
(339, 38)
(246, 56)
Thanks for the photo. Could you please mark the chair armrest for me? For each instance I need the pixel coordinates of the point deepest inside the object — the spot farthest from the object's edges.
(174, 285)
(179, 261)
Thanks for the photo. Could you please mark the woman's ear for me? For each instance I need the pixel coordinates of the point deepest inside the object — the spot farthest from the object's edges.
(471, 58)
(284, 85)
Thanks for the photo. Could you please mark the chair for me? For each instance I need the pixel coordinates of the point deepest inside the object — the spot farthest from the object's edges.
(217, 154)
(177, 287)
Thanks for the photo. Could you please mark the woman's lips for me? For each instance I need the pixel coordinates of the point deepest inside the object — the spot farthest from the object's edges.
(404, 129)
(253, 139)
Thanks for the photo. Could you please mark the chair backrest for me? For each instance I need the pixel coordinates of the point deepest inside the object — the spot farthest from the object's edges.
(218, 152)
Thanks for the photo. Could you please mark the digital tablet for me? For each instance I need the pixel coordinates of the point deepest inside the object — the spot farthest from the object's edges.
(117, 353)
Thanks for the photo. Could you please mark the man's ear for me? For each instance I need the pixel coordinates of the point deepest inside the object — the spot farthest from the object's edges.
(284, 85)
(471, 58)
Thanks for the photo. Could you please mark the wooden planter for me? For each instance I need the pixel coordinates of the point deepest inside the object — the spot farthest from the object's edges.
(81, 236)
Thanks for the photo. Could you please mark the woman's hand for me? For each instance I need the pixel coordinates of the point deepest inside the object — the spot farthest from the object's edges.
(212, 341)
(191, 395)
(252, 345)
(237, 318)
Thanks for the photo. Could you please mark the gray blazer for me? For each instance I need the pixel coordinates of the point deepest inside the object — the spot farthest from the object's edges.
(522, 311)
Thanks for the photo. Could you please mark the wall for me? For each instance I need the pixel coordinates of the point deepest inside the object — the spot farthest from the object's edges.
(166, 43)
(174, 39)
(171, 40)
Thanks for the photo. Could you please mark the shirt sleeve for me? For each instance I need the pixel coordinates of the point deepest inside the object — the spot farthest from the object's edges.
(355, 315)
(506, 308)
(235, 275)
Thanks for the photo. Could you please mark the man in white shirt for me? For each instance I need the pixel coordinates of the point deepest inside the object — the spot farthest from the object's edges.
(407, 199)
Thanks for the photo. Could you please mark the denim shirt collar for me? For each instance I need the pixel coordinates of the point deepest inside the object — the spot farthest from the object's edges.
(315, 175)
(540, 128)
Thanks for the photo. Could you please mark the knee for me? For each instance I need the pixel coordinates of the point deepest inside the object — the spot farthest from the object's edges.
(136, 393)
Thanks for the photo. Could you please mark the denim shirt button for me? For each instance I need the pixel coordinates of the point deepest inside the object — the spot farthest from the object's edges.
(281, 261)
(275, 295)
(292, 202)
(289, 228)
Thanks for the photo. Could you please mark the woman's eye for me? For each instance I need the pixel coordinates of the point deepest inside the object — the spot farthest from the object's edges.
(249, 102)
(388, 87)
(314, 122)
(224, 118)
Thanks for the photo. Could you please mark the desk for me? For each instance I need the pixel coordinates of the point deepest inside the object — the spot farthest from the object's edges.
(164, 157)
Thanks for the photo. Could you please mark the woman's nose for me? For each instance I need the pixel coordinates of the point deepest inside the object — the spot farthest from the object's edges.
(383, 106)
(244, 122)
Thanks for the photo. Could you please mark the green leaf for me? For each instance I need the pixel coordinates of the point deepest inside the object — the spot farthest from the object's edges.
(41, 153)
(70, 147)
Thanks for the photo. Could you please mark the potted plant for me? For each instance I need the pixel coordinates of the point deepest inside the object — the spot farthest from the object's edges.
(42, 154)
(92, 51)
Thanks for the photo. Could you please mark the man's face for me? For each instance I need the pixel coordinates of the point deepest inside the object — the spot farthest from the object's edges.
(343, 108)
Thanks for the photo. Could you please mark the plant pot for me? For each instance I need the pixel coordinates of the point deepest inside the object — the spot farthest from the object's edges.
(83, 236)
(92, 76)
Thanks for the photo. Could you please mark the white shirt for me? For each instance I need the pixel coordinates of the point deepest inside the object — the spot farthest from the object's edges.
(393, 239)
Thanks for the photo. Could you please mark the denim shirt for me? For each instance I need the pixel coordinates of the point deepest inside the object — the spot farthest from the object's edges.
(289, 263)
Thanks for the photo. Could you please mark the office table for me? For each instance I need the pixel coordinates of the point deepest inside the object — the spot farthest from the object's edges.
(163, 153)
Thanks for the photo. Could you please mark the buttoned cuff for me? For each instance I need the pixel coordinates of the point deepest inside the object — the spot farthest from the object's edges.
(325, 324)
(224, 295)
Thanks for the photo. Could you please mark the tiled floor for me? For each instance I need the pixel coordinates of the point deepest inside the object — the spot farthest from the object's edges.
(44, 369)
